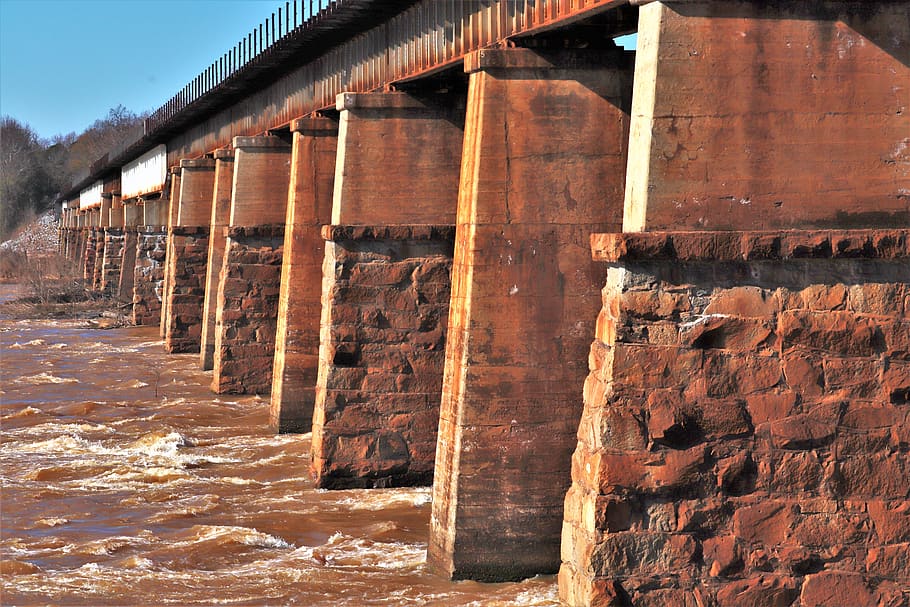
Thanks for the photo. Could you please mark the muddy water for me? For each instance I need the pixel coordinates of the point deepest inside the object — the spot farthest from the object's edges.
(126, 482)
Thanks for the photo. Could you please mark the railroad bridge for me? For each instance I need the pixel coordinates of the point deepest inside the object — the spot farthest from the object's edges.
(640, 317)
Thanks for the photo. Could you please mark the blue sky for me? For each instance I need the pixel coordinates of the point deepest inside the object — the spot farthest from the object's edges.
(65, 63)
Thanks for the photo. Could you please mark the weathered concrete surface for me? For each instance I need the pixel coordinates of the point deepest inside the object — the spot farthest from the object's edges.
(385, 308)
(220, 218)
(246, 313)
(745, 430)
(420, 136)
(128, 266)
(188, 255)
(534, 184)
(173, 205)
(791, 113)
(297, 334)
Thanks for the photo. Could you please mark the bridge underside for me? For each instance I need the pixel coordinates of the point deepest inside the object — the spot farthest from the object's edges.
(640, 318)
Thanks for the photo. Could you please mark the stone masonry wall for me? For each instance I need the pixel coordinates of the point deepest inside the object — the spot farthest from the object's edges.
(89, 251)
(100, 238)
(382, 352)
(746, 431)
(148, 281)
(113, 260)
(248, 310)
(189, 256)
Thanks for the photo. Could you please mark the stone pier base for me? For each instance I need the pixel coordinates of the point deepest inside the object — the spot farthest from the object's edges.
(149, 275)
(247, 310)
(89, 252)
(745, 437)
(100, 238)
(186, 291)
(112, 262)
(382, 352)
(71, 246)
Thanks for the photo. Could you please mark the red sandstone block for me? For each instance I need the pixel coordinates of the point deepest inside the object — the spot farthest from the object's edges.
(806, 244)
(891, 520)
(752, 302)
(645, 595)
(654, 305)
(694, 246)
(608, 247)
(767, 407)
(852, 243)
(643, 553)
(818, 530)
(881, 299)
(824, 297)
(727, 333)
(792, 473)
(896, 382)
(768, 522)
(722, 553)
(803, 431)
(838, 333)
(648, 245)
(761, 245)
(683, 472)
(650, 367)
(890, 244)
(804, 373)
(875, 475)
(736, 375)
(897, 338)
(736, 474)
(890, 562)
(854, 377)
(829, 588)
(622, 429)
(761, 591)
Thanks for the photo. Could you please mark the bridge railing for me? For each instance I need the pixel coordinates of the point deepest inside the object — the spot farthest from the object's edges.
(287, 21)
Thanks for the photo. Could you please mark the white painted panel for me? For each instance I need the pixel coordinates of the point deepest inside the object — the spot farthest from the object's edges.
(145, 174)
(90, 196)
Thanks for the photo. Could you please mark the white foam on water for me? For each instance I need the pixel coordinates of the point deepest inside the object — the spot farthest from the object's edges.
(55, 521)
(226, 534)
(347, 552)
(45, 378)
(34, 342)
(380, 499)
(236, 480)
(28, 411)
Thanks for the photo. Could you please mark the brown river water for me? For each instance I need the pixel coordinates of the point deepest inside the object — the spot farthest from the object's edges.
(125, 481)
